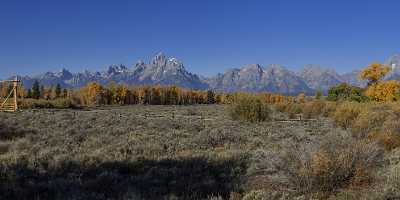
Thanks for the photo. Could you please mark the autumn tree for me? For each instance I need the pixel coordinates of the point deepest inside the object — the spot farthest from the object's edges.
(120, 94)
(21, 91)
(374, 73)
(46, 94)
(384, 91)
(93, 93)
(379, 90)
(173, 90)
(112, 88)
(156, 95)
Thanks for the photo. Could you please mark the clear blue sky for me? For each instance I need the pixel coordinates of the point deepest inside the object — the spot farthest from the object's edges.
(208, 35)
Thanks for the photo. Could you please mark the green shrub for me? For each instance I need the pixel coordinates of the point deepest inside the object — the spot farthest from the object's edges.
(344, 91)
(248, 107)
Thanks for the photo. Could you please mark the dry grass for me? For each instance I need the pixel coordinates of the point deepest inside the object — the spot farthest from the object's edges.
(186, 152)
(139, 152)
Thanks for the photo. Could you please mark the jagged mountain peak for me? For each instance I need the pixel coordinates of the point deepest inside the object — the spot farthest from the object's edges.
(253, 78)
(140, 63)
(313, 68)
(159, 60)
(317, 70)
(113, 69)
(255, 67)
(115, 72)
(174, 63)
(64, 74)
(252, 71)
(277, 68)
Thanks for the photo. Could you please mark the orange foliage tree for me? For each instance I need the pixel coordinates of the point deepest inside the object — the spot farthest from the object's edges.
(384, 91)
(374, 73)
(379, 90)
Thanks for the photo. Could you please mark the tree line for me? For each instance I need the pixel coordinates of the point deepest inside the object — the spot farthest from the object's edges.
(117, 94)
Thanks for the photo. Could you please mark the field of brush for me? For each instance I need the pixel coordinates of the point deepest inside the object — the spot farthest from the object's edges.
(154, 152)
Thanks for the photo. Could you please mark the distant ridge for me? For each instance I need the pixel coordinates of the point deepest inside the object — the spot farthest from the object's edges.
(165, 70)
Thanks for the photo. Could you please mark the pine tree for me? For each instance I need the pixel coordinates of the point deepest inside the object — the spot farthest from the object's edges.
(29, 93)
(58, 91)
(65, 93)
(42, 91)
(36, 90)
(210, 97)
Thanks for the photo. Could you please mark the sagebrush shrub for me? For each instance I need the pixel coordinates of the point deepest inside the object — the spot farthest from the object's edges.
(346, 113)
(369, 120)
(338, 162)
(313, 108)
(249, 107)
(388, 140)
(329, 109)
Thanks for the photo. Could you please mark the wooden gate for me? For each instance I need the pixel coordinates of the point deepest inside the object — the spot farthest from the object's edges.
(9, 103)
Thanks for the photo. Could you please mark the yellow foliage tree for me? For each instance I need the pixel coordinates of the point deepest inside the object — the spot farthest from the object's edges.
(121, 92)
(374, 72)
(377, 89)
(93, 90)
(384, 91)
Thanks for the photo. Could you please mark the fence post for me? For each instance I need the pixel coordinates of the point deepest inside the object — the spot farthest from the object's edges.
(15, 82)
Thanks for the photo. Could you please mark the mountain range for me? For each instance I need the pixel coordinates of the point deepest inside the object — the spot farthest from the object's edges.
(250, 78)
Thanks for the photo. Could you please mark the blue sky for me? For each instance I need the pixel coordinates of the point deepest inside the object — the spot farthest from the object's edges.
(209, 36)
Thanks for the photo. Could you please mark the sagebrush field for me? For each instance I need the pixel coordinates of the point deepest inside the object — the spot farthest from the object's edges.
(185, 152)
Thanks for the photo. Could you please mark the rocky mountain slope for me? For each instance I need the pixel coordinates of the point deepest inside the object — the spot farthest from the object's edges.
(254, 78)
(161, 70)
(319, 78)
